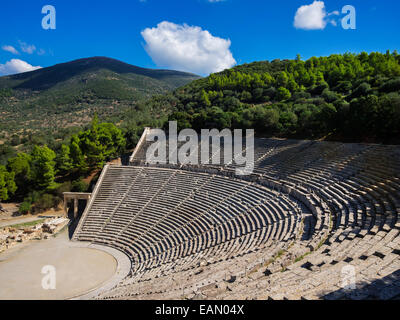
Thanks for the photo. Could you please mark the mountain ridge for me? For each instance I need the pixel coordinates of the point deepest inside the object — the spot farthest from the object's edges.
(45, 78)
(70, 93)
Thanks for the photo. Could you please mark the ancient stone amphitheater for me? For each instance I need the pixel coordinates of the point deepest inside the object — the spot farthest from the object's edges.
(313, 219)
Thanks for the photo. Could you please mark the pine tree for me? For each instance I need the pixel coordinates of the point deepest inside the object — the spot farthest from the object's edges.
(63, 160)
(21, 167)
(43, 167)
(76, 154)
(7, 183)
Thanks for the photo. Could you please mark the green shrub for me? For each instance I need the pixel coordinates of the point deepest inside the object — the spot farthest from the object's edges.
(45, 202)
(65, 187)
(24, 208)
(79, 186)
(283, 94)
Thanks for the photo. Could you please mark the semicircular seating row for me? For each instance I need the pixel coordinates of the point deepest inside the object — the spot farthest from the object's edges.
(359, 183)
(168, 220)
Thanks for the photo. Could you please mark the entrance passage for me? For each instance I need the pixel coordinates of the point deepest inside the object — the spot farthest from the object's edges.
(75, 197)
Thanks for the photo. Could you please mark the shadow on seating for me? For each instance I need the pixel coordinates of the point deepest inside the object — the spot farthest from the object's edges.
(125, 159)
(74, 221)
(387, 288)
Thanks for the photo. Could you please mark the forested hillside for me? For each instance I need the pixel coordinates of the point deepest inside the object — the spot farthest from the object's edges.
(341, 97)
(39, 177)
(35, 105)
(344, 97)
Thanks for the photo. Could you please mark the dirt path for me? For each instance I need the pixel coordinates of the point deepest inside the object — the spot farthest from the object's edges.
(18, 221)
(11, 217)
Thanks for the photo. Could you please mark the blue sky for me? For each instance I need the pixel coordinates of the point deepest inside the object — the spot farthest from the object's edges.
(200, 36)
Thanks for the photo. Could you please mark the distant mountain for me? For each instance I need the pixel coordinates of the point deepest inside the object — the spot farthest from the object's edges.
(95, 69)
(74, 90)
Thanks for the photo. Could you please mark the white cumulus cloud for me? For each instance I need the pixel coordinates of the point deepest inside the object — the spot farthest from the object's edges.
(16, 66)
(187, 48)
(311, 17)
(10, 49)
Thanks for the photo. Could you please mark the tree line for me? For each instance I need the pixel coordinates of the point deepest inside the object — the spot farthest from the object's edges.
(345, 97)
(39, 177)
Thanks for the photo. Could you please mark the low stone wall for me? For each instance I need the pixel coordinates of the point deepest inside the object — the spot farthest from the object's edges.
(139, 144)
